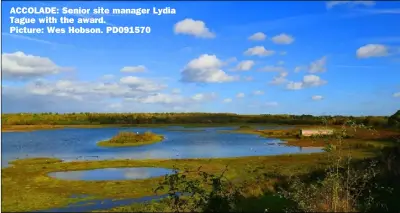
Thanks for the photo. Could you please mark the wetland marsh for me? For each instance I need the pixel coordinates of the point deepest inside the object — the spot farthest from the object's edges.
(81, 144)
(64, 162)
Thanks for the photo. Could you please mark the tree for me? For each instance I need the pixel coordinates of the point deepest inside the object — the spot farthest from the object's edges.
(394, 120)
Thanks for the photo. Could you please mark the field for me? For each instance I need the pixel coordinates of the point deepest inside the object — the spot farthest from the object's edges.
(235, 184)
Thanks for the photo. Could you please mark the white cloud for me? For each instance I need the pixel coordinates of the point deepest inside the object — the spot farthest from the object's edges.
(283, 39)
(314, 67)
(280, 79)
(176, 91)
(272, 69)
(196, 28)
(281, 62)
(142, 84)
(372, 50)
(259, 51)
(230, 60)
(313, 80)
(317, 97)
(331, 4)
(134, 69)
(245, 65)
(206, 69)
(107, 77)
(204, 96)
(271, 104)
(381, 11)
(80, 89)
(396, 95)
(283, 53)
(96, 96)
(160, 98)
(240, 95)
(258, 36)
(300, 68)
(318, 65)
(173, 99)
(23, 37)
(294, 85)
(308, 81)
(258, 92)
(19, 65)
(227, 100)
(20, 99)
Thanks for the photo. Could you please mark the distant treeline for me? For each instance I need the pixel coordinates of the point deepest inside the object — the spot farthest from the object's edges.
(180, 118)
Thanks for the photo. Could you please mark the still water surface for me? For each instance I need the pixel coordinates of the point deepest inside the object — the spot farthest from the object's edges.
(113, 174)
(80, 144)
(103, 204)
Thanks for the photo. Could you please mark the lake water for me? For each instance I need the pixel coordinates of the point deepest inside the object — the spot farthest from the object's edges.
(113, 174)
(103, 204)
(80, 144)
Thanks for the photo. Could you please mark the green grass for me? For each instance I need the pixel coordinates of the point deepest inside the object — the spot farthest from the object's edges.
(27, 187)
(186, 130)
(124, 139)
(28, 128)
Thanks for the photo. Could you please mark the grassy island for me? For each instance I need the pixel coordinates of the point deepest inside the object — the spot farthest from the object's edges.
(131, 139)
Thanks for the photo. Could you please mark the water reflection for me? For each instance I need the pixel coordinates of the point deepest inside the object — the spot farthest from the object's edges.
(80, 144)
(112, 174)
(103, 204)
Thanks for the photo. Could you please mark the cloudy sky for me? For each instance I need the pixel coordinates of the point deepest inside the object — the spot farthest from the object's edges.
(243, 57)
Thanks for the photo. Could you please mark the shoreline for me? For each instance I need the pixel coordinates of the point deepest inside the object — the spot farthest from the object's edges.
(107, 144)
(27, 186)
(29, 177)
(30, 128)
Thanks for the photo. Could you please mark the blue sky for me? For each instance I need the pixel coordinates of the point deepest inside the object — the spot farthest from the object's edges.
(243, 57)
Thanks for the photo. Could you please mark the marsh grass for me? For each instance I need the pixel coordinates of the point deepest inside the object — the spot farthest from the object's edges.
(342, 187)
(251, 183)
(27, 187)
(245, 127)
(207, 193)
(131, 139)
(338, 186)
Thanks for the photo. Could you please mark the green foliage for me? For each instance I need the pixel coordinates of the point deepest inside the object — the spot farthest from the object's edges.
(394, 120)
(281, 133)
(342, 187)
(206, 193)
(176, 118)
(245, 127)
(132, 139)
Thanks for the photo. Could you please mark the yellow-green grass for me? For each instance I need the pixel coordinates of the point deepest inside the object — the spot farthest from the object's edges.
(123, 139)
(362, 138)
(27, 187)
(29, 128)
(186, 130)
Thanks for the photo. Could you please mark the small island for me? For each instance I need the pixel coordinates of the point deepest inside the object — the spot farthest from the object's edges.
(123, 139)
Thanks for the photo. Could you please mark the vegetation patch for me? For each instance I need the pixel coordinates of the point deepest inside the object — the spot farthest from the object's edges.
(221, 119)
(27, 187)
(244, 184)
(343, 183)
(186, 130)
(123, 139)
(245, 127)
